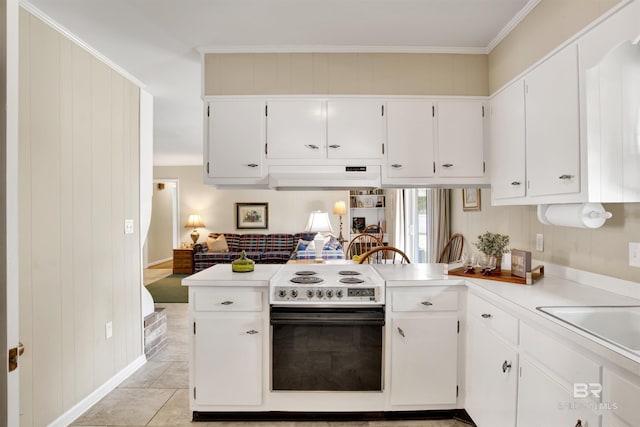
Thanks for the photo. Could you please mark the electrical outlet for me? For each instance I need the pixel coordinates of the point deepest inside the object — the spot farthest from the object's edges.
(634, 254)
(128, 226)
(108, 329)
(539, 242)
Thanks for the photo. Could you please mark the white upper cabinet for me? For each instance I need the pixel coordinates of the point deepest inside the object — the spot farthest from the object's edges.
(296, 129)
(355, 129)
(508, 177)
(235, 137)
(553, 125)
(410, 148)
(460, 139)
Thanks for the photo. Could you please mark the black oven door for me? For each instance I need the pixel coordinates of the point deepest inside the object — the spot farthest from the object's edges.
(327, 349)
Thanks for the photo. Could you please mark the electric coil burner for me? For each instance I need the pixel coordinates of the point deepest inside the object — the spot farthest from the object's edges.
(327, 285)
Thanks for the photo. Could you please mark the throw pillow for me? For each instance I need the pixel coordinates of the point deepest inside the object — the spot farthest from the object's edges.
(303, 245)
(219, 244)
(332, 244)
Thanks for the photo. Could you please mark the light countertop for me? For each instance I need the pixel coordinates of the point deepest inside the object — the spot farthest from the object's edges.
(221, 275)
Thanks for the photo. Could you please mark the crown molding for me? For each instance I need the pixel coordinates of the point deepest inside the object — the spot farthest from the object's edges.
(341, 49)
(71, 36)
(531, 4)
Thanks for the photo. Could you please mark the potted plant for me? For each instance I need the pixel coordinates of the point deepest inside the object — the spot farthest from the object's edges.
(493, 244)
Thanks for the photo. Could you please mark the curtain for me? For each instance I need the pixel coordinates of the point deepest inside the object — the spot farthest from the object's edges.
(403, 222)
(438, 221)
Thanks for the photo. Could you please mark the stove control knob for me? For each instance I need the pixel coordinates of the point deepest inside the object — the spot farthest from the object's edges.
(309, 293)
(294, 293)
(339, 293)
(319, 293)
(282, 293)
(329, 293)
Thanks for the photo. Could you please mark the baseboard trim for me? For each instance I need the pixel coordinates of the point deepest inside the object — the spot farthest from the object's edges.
(106, 388)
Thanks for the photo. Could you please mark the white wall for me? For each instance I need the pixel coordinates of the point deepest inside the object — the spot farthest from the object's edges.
(78, 181)
(288, 210)
(160, 238)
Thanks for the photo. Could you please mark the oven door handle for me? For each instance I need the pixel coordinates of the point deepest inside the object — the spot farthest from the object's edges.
(329, 322)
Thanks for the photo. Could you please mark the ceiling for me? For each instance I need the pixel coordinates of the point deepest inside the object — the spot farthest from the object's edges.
(158, 42)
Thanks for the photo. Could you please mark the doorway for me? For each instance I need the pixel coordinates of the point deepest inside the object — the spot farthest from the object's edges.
(164, 228)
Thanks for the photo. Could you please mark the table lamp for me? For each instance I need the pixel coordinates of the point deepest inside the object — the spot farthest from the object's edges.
(319, 223)
(194, 222)
(340, 208)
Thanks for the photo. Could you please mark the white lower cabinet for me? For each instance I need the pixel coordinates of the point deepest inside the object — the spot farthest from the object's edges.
(620, 400)
(491, 377)
(228, 360)
(424, 346)
(228, 335)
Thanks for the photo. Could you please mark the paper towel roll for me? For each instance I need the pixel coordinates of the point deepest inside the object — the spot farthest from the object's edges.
(581, 215)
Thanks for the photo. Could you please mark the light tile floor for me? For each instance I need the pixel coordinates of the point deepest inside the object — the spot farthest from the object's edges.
(157, 394)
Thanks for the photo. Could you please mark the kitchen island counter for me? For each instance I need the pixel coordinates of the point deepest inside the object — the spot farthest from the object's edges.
(221, 275)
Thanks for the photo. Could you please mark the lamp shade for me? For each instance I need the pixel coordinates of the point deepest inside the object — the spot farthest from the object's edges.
(340, 208)
(319, 222)
(194, 221)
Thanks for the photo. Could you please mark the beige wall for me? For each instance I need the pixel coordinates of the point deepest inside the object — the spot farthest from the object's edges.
(160, 237)
(78, 181)
(345, 73)
(603, 250)
(545, 28)
(288, 210)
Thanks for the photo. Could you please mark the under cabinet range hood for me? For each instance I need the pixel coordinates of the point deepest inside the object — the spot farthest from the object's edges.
(332, 177)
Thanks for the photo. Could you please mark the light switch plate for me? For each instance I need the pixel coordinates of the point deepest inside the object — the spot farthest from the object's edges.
(634, 254)
(108, 329)
(128, 226)
(539, 242)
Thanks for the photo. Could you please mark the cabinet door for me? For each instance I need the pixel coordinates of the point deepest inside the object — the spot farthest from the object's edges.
(423, 360)
(295, 129)
(542, 402)
(460, 139)
(354, 129)
(491, 378)
(508, 143)
(553, 128)
(235, 139)
(227, 361)
(410, 139)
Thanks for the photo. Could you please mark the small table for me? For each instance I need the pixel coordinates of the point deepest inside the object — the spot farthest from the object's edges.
(183, 261)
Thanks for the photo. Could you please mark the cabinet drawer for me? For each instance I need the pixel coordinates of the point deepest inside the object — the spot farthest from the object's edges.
(625, 395)
(494, 318)
(566, 363)
(425, 299)
(227, 299)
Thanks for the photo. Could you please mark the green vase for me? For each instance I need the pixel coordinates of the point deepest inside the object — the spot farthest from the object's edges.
(242, 264)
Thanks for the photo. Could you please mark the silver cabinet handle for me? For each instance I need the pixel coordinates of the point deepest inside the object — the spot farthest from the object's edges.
(312, 146)
(401, 332)
(396, 165)
(447, 165)
(334, 146)
(252, 332)
(427, 303)
(565, 177)
(515, 183)
(253, 165)
(226, 302)
(486, 315)
(506, 366)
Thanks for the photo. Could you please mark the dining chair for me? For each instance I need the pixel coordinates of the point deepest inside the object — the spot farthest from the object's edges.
(361, 244)
(384, 255)
(452, 251)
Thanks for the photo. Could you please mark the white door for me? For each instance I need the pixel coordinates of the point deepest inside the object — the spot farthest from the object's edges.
(228, 361)
(460, 139)
(354, 129)
(423, 360)
(508, 143)
(235, 139)
(410, 139)
(9, 381)
(553, 127)
(295, 129)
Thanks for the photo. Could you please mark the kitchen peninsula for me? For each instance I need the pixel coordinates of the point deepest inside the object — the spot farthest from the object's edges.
(443, 343)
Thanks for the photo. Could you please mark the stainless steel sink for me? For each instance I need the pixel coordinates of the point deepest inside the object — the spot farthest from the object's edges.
(618, 325)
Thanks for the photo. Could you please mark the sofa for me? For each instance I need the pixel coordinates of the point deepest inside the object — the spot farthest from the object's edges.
(278, 248)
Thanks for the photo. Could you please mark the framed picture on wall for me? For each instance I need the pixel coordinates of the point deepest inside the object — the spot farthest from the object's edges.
(252, 215)
(470, 199)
